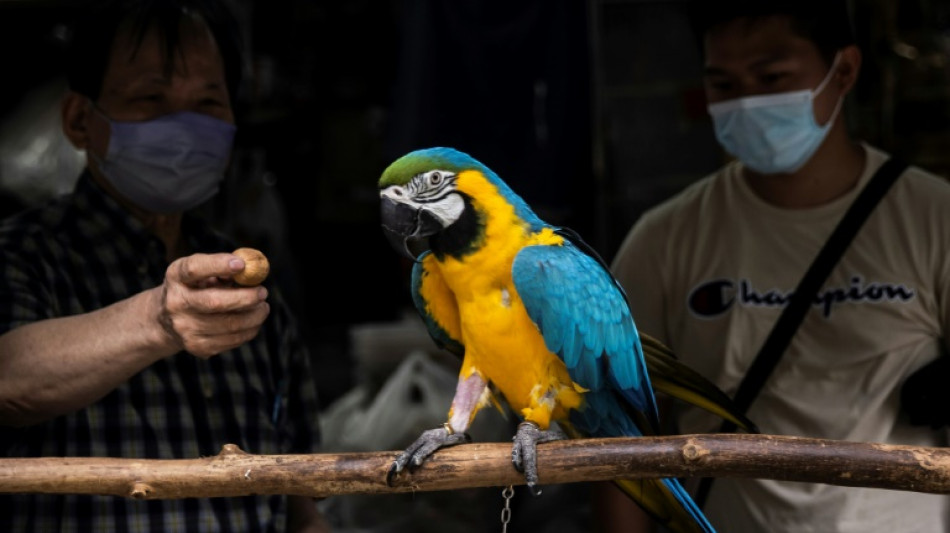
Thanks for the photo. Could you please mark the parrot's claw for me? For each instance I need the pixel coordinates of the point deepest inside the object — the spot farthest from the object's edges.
(427, 443)
(524, 454)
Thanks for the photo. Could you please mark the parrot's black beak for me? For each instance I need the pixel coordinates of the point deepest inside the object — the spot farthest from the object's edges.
(411, 247)
(406, 228)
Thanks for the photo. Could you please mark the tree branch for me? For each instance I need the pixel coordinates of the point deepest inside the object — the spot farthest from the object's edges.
(236, 473)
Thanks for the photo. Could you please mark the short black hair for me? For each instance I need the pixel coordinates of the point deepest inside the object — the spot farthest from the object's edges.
(92, 36)
(826, 23)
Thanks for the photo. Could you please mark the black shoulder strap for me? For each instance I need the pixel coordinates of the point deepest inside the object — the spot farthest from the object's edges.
(801, 300)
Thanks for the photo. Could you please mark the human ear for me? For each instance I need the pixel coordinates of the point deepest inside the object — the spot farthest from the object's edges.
(849, 66)
(74, 112)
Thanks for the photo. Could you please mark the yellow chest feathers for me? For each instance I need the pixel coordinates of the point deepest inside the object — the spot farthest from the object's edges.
(501, 341)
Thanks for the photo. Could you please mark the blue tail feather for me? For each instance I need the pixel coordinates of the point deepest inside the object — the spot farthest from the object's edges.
(684, 498)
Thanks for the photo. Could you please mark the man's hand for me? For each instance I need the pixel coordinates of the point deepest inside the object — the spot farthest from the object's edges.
(203, 312)
(55, 366)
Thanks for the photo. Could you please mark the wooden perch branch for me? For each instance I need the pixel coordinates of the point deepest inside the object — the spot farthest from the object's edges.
(236, 473)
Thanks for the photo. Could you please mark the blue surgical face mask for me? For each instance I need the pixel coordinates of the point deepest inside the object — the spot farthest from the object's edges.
(170, 164)
(772, 133)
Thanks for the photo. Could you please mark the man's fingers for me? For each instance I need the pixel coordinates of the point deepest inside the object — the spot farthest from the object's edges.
(206, 347)
(210, 324)
(196, 268)
(207, 335)
(204, 316)
(214, 300)
(216, 324)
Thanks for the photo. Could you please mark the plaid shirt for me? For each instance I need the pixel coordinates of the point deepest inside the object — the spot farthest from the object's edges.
(83, 252)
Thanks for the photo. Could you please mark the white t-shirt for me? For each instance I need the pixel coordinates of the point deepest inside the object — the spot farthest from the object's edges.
(709, 272)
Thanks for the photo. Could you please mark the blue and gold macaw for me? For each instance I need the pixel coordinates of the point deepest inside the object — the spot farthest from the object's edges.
(537, 318)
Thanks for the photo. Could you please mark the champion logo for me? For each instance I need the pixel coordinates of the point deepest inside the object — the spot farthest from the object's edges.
(713, 298)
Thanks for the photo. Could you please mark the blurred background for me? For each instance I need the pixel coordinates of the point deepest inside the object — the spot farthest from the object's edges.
(592, 110)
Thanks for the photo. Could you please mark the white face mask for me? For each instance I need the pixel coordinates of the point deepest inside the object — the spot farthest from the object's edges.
(169, 164)
(773, 133)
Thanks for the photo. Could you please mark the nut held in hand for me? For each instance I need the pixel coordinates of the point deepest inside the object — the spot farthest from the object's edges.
(256, 267)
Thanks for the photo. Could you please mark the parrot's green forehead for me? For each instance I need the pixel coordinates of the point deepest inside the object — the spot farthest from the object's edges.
(402, 170)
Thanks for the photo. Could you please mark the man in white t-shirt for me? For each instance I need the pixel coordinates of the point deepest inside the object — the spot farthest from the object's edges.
(710, 271)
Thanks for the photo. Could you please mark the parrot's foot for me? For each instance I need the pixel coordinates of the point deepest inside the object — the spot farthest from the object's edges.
(427, 443)
(524, 454)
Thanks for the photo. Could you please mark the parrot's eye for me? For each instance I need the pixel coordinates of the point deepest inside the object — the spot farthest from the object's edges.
(435, 178)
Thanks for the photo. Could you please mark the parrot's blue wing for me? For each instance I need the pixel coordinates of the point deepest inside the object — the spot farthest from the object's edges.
(666, 373)
(584, 319)
(583, 315)
(436, 305)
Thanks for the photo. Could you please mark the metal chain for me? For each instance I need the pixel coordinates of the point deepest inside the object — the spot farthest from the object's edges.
(506, 512)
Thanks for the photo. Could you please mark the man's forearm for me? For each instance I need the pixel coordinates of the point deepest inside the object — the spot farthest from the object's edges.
(56, 366)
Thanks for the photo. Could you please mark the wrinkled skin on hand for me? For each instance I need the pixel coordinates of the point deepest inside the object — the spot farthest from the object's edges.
(202, 312)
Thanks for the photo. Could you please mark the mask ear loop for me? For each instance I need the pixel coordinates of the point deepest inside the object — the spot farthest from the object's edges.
(821, 87)
(98, 111)
(831, 71)
(89, 151)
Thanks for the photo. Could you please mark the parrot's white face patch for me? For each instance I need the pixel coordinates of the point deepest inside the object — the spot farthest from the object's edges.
(447, 210)
(434, 192)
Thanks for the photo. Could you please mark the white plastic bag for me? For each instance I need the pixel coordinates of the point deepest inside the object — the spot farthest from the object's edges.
(414, 398)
